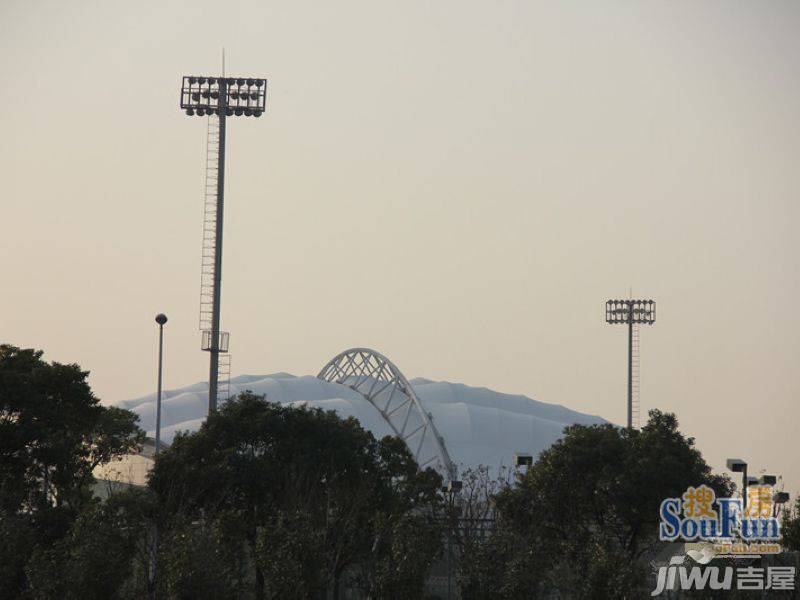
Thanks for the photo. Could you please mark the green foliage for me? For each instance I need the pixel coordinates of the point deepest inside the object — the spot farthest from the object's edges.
(200, 560)
(790, 528)
(401, 557)
(104, 555)
(53, 433)
(289, 551)
(270, 501)
(313, 497)
(583, 515)
(17, 539)
(491, 562)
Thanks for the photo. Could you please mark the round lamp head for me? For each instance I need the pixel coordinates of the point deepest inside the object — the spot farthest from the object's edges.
(161, 318)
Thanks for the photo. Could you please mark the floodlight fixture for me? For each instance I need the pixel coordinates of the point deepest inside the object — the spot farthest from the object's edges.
(211, 93)
(780, 497)
(219, 98)
(522, 459)
(778, 500)
(737, 465)
(641, 312)
(767, 480)
(454, 486)
(631, 313)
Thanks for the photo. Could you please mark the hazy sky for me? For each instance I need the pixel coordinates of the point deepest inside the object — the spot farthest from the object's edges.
(460, 185)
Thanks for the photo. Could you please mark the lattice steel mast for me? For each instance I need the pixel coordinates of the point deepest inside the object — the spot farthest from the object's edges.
(632, 313)
(219, 98)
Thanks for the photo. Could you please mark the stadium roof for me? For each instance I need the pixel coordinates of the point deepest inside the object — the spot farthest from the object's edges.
(446, 425)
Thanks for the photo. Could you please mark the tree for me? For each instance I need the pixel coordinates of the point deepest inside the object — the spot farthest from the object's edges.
(53, 433)
(203, 559)
(790, 528)
(474, 558)
(104, 555)
(304, 488)
(587, 511)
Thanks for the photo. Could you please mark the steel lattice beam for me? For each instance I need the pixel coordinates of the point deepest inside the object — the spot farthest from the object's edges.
(382, 384)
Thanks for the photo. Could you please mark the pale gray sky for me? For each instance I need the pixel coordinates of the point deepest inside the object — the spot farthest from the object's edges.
(458, 184)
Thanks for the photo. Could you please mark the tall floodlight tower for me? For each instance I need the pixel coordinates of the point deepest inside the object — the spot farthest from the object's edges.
(218, 98)
(632, 313)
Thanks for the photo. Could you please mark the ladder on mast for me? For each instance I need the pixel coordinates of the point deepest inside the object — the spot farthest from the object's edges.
(207, 265)
(209, 223)
(224, 377)
(635, 355)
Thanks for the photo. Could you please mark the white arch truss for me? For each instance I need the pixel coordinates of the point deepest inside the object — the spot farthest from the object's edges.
(382, 384)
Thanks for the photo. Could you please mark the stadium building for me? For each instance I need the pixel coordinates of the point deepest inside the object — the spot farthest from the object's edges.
(448, 426)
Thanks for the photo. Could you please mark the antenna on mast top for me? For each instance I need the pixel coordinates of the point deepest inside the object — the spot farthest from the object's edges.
(223, 61)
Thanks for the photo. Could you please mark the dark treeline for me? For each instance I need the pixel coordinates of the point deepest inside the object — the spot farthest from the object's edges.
(270, 501)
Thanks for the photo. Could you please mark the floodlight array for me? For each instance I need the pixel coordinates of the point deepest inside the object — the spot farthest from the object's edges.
(631, 311)
(235, 96)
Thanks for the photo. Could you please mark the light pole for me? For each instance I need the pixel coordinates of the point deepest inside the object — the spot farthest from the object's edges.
(779, 499)
(161, 319)
(631, 313)
(522, 459)
(452, 490)
(219, 98)
(737, 465)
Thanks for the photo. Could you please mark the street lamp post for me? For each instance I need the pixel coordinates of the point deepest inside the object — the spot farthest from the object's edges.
(161, 319)
(779, 499)
(219, 98)
(737, 465)
(453, 490)
(630, 313)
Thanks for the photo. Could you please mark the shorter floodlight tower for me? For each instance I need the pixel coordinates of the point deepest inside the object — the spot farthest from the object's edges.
(632, 313)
